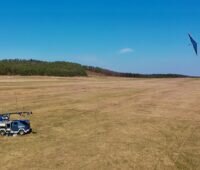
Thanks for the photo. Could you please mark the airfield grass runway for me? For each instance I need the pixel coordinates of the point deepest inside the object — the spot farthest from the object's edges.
(103, 123)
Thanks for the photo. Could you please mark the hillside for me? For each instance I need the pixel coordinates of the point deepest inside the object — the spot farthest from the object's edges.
(66, 69)
(105, 72)
(35, 67)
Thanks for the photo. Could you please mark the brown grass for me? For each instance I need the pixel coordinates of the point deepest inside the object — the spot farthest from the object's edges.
(103, 123)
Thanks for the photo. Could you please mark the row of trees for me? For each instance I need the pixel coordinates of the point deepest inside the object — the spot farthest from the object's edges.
(135, 75)
(34, 67)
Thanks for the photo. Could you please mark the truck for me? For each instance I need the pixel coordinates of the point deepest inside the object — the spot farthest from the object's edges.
(11, 127)
(20, 127)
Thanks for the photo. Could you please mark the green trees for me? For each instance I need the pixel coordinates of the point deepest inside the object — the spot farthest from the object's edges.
(34, 67)
(65, 69)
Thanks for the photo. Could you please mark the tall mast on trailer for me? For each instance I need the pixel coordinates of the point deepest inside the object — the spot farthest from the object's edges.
(6, 116)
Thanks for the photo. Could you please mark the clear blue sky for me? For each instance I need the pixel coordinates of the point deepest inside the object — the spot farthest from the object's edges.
(144, 36)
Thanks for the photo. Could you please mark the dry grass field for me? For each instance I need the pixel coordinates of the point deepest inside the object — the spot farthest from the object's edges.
(99, 123)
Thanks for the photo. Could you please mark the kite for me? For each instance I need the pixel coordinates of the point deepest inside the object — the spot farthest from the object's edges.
(194, 44)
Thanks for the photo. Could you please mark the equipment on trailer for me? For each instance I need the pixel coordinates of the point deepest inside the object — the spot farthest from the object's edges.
(6, 116)
(10, 127)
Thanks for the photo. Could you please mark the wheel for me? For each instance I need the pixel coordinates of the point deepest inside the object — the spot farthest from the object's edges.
(21, 132)
(3, 133)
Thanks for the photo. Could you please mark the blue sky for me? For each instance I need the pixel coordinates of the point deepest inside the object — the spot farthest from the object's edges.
(143, 36)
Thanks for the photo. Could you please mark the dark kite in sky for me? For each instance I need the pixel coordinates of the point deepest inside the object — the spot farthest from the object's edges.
(194, 44)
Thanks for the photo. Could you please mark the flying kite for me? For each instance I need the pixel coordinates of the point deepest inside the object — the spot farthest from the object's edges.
(194, 44)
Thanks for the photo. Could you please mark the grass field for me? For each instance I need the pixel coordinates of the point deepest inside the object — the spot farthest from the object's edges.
(99, 123)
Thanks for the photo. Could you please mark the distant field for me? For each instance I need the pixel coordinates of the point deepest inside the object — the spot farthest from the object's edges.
(98, 123)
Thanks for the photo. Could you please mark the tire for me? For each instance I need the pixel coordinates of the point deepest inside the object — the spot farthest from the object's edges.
(21, 132)
(2, 133)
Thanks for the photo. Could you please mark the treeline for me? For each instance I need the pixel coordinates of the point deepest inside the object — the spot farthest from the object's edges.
(134, 75)
(43, 68)
(65, 69)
